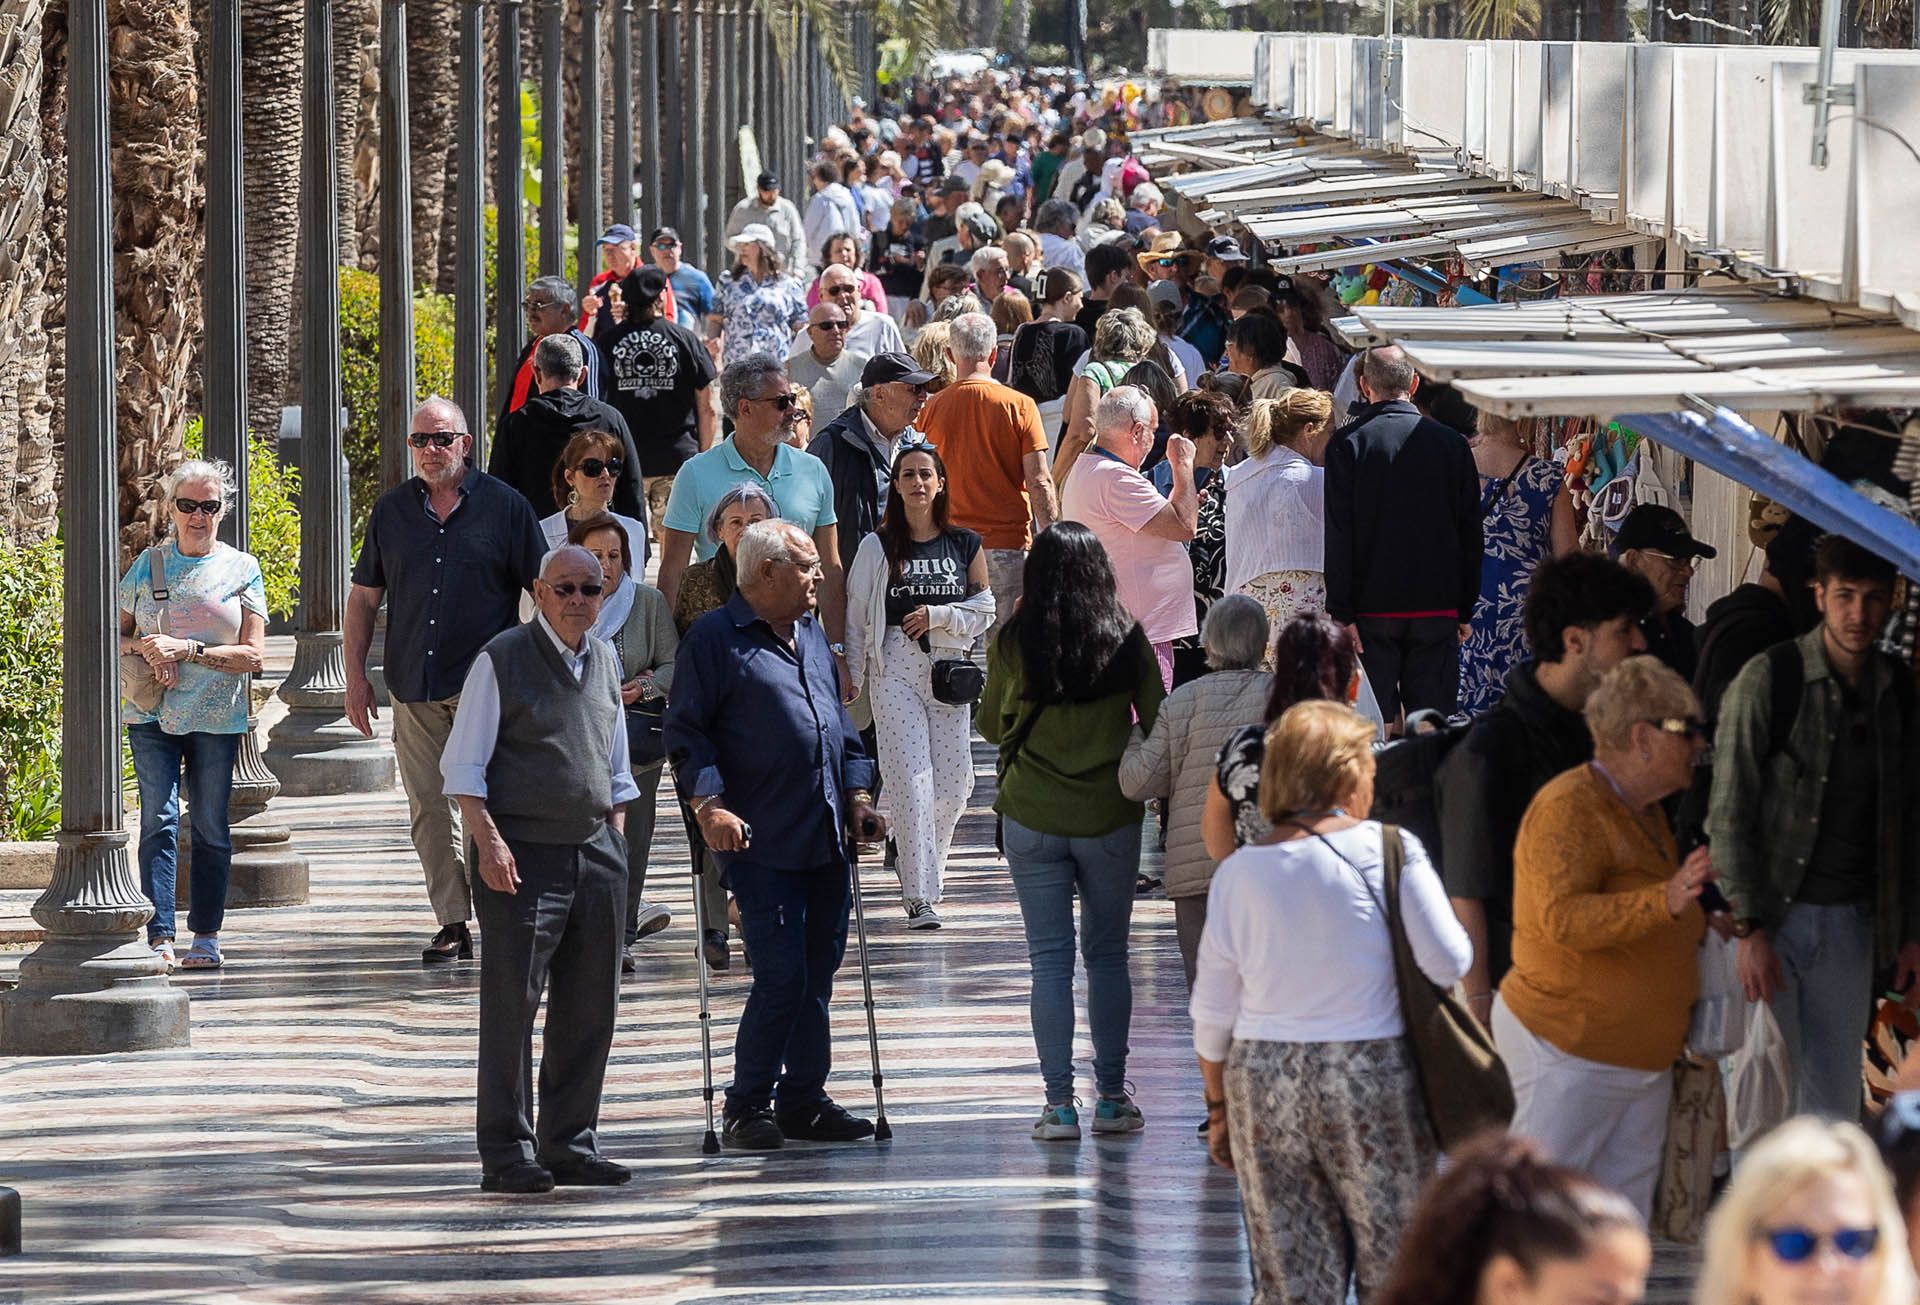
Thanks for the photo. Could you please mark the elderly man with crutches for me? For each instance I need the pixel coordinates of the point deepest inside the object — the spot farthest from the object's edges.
(538, 761)
(763, 749)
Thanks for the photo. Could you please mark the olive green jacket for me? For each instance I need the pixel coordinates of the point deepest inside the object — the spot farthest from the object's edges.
(1764, 815)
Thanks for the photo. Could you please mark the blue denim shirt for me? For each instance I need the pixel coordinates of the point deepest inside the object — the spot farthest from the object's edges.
(763, 723)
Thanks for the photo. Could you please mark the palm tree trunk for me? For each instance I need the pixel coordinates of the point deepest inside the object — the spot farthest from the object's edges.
(1019, 19)
(53, 135)
(159, 244)
(270, 37)
(28, 506)
(431, 74)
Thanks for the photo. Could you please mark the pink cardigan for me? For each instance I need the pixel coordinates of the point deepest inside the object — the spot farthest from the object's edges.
(869, 290)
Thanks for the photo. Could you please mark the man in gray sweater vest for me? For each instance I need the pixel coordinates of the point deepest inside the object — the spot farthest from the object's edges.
(538, 761)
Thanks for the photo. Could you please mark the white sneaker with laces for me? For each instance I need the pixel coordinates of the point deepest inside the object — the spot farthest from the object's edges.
(651, 919)
(921, 915)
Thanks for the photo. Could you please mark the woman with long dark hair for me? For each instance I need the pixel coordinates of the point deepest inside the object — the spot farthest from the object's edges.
(1501, 1224)
(1066, 678)
(917, 594)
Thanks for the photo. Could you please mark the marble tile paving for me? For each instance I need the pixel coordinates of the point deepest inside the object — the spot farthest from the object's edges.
(315, 1144)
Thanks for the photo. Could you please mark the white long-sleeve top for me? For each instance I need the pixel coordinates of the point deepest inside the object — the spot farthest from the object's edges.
(476, 727)
(1276, 516)
(951, 627)
(1296, 949)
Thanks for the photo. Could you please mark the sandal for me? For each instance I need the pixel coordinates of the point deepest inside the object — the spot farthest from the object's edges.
(163, 948)
(204, 954)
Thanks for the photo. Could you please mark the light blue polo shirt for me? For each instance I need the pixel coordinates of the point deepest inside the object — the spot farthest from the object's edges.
(800, 486)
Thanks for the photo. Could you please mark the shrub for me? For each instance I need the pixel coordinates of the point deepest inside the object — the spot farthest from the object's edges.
(30, 690)
(360, 376)
(273, 518)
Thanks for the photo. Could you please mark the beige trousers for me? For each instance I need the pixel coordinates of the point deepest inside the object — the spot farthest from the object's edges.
(420, 732)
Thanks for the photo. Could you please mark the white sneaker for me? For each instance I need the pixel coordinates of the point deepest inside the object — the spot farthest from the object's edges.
(651, 919)
(921, 915)
(164, 950)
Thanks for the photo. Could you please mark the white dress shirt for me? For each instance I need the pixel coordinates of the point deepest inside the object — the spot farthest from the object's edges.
(476, 727)
(1296, 949)
(1276, 516)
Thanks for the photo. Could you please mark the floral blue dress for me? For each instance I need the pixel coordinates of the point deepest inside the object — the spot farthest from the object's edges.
(759, 316)
(1517, 537)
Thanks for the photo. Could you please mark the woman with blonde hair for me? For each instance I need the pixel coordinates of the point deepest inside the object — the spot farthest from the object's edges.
(1121, 338)
(1606, 926)
(929, 350)
(1809, 1216)
(1276, 519)
(1312, 1097)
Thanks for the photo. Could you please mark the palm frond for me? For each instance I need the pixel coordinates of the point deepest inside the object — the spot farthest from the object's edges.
(925, 25)
(830, 20)
(1502, 19)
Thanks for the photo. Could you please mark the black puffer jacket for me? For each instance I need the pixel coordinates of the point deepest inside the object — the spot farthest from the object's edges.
(857, 470)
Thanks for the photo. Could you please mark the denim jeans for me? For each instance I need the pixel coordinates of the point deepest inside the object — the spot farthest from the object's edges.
(1047, 870)
(1826, 957)
(794, 923)
(208, 758)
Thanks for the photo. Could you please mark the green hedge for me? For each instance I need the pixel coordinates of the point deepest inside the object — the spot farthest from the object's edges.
(360, 376)
(30, 690)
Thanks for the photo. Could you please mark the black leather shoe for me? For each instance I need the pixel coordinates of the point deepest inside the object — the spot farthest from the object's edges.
(596, 1172)
(452, 943)
(752, 1130)
(521, 1178)
(828, 1122)
(714, 945)
(627, 964)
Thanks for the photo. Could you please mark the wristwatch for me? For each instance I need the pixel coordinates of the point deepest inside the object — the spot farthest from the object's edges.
(837, 649)
(1747, 927)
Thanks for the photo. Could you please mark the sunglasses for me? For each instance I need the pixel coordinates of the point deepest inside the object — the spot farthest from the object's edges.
(567, 588)
(1798, 1245)
(440, 439)
(1689, 728)
(830, 326)
(537, 305)
(666, 244)
(187, 506)
(593, 468)
(780, 401)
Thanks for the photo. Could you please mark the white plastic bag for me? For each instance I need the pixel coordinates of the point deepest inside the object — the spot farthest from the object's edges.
(1759, 1081)
(1718, 1026)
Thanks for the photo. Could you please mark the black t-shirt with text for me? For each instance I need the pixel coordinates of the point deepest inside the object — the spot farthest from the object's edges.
(653, 375)
(932, 573)
(897, 262)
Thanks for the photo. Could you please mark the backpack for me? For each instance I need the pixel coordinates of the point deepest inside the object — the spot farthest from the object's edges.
(1403, 791)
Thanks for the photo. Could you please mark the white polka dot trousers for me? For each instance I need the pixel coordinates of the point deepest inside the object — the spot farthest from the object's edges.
(926, 763)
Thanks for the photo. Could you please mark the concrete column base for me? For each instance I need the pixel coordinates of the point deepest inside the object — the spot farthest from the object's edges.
(266, 872)
(314, 752)
(86, 995)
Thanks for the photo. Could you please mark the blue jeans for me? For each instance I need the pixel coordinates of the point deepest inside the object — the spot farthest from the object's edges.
(1047, 870)
(794, 923)
(157, 759)
(1826, 956)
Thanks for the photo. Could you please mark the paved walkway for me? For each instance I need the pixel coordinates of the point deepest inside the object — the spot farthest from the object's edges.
(315, 1144)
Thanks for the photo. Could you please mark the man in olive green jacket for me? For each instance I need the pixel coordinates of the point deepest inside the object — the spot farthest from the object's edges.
(1813, 822)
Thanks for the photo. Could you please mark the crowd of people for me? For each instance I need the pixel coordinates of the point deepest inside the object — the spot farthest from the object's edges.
(979, 441)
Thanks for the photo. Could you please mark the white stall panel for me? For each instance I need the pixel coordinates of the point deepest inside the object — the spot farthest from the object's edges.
(1434, 79)
(1649, 119)
(1556, 118)
(1806, 206)
(1529, 109)
(1502, 135)
(1475, 123)
(1693, 133)
(1599, 127)
(1886, 186)
(1739, 218)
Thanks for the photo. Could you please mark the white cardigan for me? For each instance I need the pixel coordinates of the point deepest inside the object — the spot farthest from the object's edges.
(952, 627)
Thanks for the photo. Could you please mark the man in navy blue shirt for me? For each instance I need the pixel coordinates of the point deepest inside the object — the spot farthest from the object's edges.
(451, 551)
(764, 750)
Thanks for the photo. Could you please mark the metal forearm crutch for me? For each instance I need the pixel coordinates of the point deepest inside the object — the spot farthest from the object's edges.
(710, 1145)
(882, 1130)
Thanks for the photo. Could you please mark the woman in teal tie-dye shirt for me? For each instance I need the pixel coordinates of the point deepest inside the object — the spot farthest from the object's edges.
(202, 642)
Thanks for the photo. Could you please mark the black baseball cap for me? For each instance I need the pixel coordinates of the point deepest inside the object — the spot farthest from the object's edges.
(1661, 530)
(885, 367)
(768, 181)
(663, 233)
(649, 283)
(1226, 249)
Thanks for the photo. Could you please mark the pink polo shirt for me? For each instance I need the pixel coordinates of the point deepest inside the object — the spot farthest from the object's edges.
(1155, 577)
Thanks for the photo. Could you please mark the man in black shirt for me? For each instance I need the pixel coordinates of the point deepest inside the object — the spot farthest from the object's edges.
(532, 438)
(657, 377)
(451, 551)
(1654, 543)
(1582, 619)
(1107, 266)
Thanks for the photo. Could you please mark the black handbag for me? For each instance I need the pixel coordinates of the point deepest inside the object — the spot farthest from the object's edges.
(956, 681)
(646, 743)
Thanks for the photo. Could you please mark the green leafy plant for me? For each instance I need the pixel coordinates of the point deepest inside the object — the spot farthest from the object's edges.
(360, 376)
(273, 518)
(30, 690)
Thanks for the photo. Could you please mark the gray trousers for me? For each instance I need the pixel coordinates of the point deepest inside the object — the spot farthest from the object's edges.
(1189, 922)
(1826, 956)
(560, 933)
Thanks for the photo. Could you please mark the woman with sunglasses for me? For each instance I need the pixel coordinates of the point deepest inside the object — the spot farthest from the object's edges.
(1605, 933)
(918, 594)
(1809, 1216)
(201, 626)
(583, 481)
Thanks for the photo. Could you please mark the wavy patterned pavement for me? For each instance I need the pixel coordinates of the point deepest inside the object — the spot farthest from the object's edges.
(315, 1143)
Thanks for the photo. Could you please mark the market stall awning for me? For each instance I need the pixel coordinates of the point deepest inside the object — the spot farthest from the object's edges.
(1719, 439)
(1483, 241)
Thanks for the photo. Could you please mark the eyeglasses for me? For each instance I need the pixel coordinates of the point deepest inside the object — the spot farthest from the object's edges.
(187, 506)
(594, 468)
(1689, 728)
(780, 401)
(1798, 1245)
(440, 439)
(666, 244)
(806, 568)
(1685, 563)
(567, 588)
(831, 326)
(538, 305)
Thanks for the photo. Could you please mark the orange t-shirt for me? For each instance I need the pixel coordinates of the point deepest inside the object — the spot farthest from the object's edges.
(983, 430)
